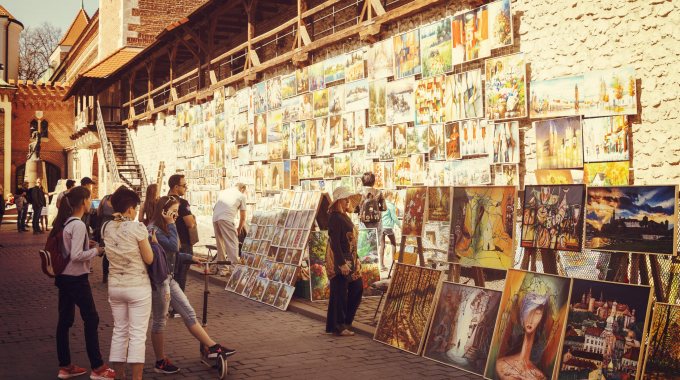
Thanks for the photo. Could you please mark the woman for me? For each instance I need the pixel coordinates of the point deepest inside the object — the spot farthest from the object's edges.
(74, 287)
(343, 268)
(169, 293)
(129, 252)
(45, 212)
(148, 209)
(389, 219)
(104, 214)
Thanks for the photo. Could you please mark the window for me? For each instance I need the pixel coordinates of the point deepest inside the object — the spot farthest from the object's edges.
(43, 128)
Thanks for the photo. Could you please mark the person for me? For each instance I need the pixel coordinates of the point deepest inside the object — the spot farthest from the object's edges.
(369, 192)
(164, 230)
(44, 213)
(230, 202)
(389, 219)
(104, 214)
(147, 211)
(69, 185)
(178, 186)
(129, 252)
(2, 203)
(22, 207)
(89, 183)
(74, 287)
(343, 268)
(38, 202)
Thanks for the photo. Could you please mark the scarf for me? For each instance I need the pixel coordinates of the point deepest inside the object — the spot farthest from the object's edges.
(118, 218)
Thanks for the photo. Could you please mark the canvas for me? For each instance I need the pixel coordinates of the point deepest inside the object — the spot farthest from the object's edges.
(506, 143)
(553, 217)
(357, 162)
(500, 24)
(438, 204)
(662, 349)
(632, 219)
(372, 137)
(462, 326)
(435, 45)
(359, 127)
(306, 108)
(300, 135)
(316, 168)
(302, 80)
(286, 174)
(305, 166)
(348, 183)
(414, 214)
(348, 131)
(323, 138)
(376, 97)
(379, 173)
(417, 139)
(400, 101)
(379, 60)
(284, 296)
(407, 54)
(560, 142)
(274, 93)
(334, 69)
(319, 285)
(242, 99)
(557, 97)
(532, 315)
(429, 100)
(408, 306)
(261, 129)
(354, 66)
(610, 92)
(402, 171)
(559, 177)
(242, 130)
(310, 137)
(342, 166)
(482, 226)
(243, 155)
(276, 172)
(606, 173)
(329, 168)
(608, 320)
(437, 146)
(288, 86)
(606, 139)
(506, 175)
(367, 251)
(321, 103)
(294, 173)
(389, 176)
(335, 133)
(291, 109)
(400, 144)
(505, 87)
(260, 101)
(476, 137)
(286, 141)
(418, 169)
(336, 96)
(316, 77)
(470, 32)
(453, 141)
(356, 95)
(463, 96)
(385, 146)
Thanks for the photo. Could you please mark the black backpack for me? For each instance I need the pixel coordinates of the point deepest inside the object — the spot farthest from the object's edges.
(370, 210)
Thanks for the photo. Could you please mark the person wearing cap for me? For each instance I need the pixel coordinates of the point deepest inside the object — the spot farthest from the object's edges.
(343, 268)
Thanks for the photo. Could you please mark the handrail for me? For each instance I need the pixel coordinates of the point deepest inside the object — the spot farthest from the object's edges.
(142, 180)
(107, 147)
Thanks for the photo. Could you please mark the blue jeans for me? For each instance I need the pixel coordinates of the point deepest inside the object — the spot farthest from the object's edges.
(181, 271)
(21, 218)
(36, 218)
(169, 294)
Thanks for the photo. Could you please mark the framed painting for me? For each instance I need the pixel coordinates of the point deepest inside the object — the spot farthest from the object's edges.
(500, 24)
(316, 77)
(291, 109)
(294, 173)
(606, 139)
(559, 143)
(439, 204)
(435, 45)
(606, 173)
(259, 94)
(334, 69)
(553, 217)
(376, 101)
(371, 138)
(506, 143)
(407, 54)
(367, 251)
(379, 60)
(328, 168)
(505, 87)
(429, 100)
(414, 214)
(323, 139)
(556, 97)
(400, 101)
(335, 133)
(385, 146)
(354, 66)
(661, 345)
(356, 95)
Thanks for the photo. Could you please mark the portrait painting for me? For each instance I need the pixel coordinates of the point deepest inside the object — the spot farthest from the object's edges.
(452, 135)
(306, 108)
(439, 204)
(429, 100)
(334, 69)
(435, 43)
(354, 66)
(302, 80)
(335, 133)
(376, 97)
(414, 214)
(553, 217)
(606, 173)
(356, 95)
(606, 139)
(407, 54)
(379, 60)
(316, 77)
(505, 87)
(400, 101)
(274, 93)
(559, 143)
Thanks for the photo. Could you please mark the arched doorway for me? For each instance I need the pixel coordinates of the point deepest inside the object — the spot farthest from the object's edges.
(53, 175)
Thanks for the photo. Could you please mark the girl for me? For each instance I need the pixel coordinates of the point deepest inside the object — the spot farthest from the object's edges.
(148, 209)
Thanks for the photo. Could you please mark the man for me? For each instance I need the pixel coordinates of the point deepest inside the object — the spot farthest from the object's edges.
(38, 201)
(229, 202)
(186, 221)
(89, 183)
(69, 185)
(22, 207)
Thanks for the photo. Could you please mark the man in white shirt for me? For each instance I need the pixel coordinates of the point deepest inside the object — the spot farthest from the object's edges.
(230, 202)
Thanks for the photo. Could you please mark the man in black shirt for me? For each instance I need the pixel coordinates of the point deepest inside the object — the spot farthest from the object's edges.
(186, 220)
(38, 201)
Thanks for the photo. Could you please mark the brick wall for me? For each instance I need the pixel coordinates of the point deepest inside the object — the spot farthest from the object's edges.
(150, 17)
(109, 27)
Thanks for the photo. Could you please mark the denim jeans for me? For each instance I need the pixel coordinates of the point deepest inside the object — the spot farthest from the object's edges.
(21, 218)
(181, 271)
(36, 218)
(169, 293)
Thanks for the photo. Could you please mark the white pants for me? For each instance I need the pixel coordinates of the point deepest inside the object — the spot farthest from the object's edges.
(227, 242)
(131, 308)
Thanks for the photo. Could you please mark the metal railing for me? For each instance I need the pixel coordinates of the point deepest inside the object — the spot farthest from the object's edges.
(142, 175)
(107, 147)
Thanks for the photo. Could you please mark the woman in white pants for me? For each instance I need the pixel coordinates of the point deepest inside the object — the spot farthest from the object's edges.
(128, 251)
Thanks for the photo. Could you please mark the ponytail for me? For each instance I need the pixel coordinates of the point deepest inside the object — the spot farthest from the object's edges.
(73, 199)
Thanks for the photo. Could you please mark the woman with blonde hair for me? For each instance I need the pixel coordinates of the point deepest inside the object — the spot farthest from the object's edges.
(148, 209)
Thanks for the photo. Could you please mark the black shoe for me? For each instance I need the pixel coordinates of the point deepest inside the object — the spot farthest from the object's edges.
(174, 314)
(165, 366)
(218, 349)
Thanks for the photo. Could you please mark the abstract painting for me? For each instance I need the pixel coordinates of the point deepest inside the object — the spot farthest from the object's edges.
(606, 139)
(559, 143)
(607, 324)
(336, 96)
(302, 80)
(463, 96)
(417, 139)
(334, 69)
(376, 102)
(407, 54)
(399, 132)
(532, 315)
(505, 87)
(316, 77)
(462, 326)
(471, 35)
(430, 100)
(610, 92)
(367, 250)
(408, 307)
(632, 219)
(354, 66)
(438, 204)
(288, 86)
(437, 146)
(321, 103)
(556, 97)
(476, 137)
(379, 60)
(356, 95)
(663, 351)
(452, 135)
(606, 173)
(414, 214)
(400, 101)
(500, 24)
(435, 43)
(506, 143)
(553, 217)
(482, 226)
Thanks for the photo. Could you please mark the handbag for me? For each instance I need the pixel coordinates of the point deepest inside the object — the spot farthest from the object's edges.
(193, 233)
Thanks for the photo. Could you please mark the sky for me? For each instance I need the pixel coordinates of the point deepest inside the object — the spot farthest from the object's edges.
(59, 13)
(655, 202)
(636, 297)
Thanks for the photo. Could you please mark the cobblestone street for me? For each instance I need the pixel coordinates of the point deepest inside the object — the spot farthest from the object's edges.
(270, 343)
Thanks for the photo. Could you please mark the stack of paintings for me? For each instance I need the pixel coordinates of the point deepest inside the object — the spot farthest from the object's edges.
(663, 351)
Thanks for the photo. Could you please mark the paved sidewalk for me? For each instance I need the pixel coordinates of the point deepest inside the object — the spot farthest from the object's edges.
(270, 343)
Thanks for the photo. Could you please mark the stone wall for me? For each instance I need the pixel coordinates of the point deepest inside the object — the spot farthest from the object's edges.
(153, 144)
(109, 27)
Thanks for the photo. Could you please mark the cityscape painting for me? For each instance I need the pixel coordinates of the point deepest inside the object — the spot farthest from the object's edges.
(606, 139)
(610, 92)
(559, 143)
(556, 97)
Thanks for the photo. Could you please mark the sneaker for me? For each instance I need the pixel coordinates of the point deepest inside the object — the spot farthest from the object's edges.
(104, 373)
(165, 366)
(173, 314)
(217, 349)
(71, 371)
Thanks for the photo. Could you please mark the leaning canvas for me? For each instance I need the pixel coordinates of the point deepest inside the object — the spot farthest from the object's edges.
(438, 204)
(318, 282)
(505, 87)
(414, 216)
(553, 217)
(663, 350)
(367, 251)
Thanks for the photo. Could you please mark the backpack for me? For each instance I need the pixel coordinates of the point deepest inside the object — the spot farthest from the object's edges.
(52, 257)
(370, 210)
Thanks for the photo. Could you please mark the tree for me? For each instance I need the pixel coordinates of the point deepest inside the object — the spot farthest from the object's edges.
(618, 88)
(35, 47)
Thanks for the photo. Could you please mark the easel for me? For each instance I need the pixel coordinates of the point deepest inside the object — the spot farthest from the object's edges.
(402, 247)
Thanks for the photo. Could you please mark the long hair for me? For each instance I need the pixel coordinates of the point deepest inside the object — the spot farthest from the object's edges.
(163, 204)
(73, 199)
(149, 207)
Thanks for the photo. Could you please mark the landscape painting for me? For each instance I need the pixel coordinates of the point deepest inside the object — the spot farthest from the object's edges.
(606, 173)
(606, 139)
(291, 109)
(639, 219)
(463, 96)
(385, 147)
(556, 97)
(336, 96)
(376, 97)
(663, 350)
(559, 143)
(438, 204)
(334, 69)
(318, 282)
(506, 143)
(462, 326)
(354, 66)
(452, 135)
(470, 32)
(367, 250)
(379, 60)
(435, 43)
(606, 325)
(505, 87)
(316, 77)
(288, 86)
(321, 103)
(429, 100)
(532, 315)
(407, 54)
(553, 217)
(356, 95)
(482, 226)
(400, 142)
(259, 93)
(372, 135)
(408, 306)
(610, 92)
(437, 146)
(414, 214)
(400, 101)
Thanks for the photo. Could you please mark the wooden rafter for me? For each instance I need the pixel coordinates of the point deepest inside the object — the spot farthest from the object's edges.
(195, 37)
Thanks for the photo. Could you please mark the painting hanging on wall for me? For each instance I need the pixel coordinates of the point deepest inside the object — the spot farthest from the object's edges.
(376, 100)
(463, 96)
(506, 143)
(609, 319)
(288, 86)
(663, 349)
(399, 131)
(316, 77)
(274, 93)
(476, 137)
(437, 146)
(500, 24)
(610, 92)
(558, 177)
(408, 305)
(418, 169)
(400, 101)
(367, 250)
(430, 100)
(559, 143)
(385, 146)
(318, 282)
(302, 80)
(556, 97)
(506, 175)
(640, 219)
(379, 60)
(414, 215)
(452, 134)
(470, 32)
(435, 43)
(321, 103)
(306, 109)
(359, 127)
(261, 129)
(402, 171)
(505, 87)
(259, 93)
(438, 204)
(334, 69)
(482, 226)
(462, 326)
(407, 54)
(553, 217)
(356, 95)
(354, 66)
(531, 319)
(606, 173)
(606, 139)
(291, 109)
(417, 139)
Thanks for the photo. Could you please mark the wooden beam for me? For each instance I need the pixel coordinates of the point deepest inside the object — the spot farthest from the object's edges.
(272, 32)
(189, 47)
(254, 58)
(377, 7)
(318, 8)
(194, 37)
(305, 36)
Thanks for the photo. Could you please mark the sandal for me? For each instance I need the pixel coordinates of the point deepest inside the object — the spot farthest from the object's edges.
(344, 333)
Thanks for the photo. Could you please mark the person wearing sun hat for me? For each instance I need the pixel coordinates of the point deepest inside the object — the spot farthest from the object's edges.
(343, 268)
